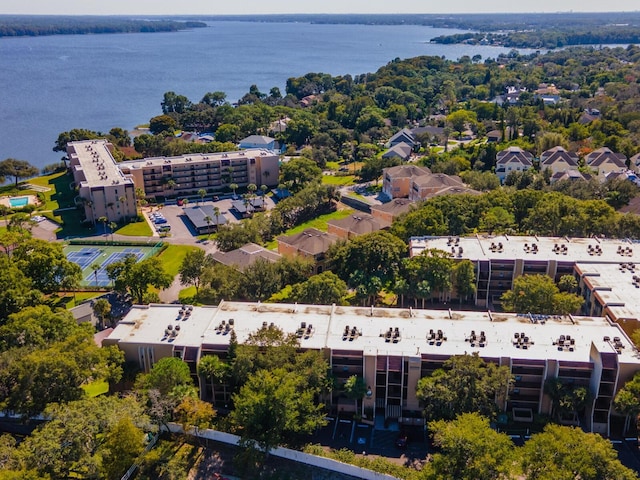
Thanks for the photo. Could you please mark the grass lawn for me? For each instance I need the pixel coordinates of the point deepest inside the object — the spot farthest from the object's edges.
(341, 180)
(96, 388)
(187, 295)
(136, 229)
(173, 256)
(320, 223)
(60, 195)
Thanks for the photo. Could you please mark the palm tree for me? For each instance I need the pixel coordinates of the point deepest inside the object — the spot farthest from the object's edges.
(104, 221)
(112, 227)
(233, 187)
(202, 192)
(95, 267)
(264, 189)
(216, 212)
(185, 202)
(208, 220)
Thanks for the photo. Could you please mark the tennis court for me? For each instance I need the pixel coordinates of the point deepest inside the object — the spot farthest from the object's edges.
(89, 255)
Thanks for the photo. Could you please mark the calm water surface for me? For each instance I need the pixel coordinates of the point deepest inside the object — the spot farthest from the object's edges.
(52, 84)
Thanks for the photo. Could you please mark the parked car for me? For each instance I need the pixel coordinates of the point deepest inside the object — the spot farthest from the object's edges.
(160, 220)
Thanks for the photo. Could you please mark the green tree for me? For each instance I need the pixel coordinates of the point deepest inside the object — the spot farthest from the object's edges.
(568, 453)
(18, 169)
(192, 268)
(374, 254)
(567, 398)
(166, 375)
(464, 279)
(16, 289)
(460, 119)
(627, 400)
(136, 277)
(163, 124)
(355, 389)
(36, 327)
(83, 438)
(471, 450)
(325, 288)
(194, 413)
(465, 384)
(299, 171)
(47, 266)
(275, 407)
(112, 227)
(214, 371)
(202, 192)
(539, 294)
(122, 446)
(102, 310)
(75, 135)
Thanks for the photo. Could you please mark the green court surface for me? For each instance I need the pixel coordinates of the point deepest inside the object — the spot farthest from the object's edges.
(88, 256)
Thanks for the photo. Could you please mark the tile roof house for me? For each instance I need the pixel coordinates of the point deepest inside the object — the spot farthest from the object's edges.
(399, 150)
(396, 181)
(512, 159)
(357, 224)
(245, 256)
(557, 159)
(311, 244)
(605, 161)
(258, 141)
(388, 212)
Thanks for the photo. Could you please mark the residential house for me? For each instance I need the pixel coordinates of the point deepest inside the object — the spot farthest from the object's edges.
(388, 212)
(257, 141)
(494, 136)
(634, 163)
(403, 136)
(310, 244)
(589, 115)
(357, 224)
(396, 181)
(557, 159)
(512, 159)
(399, 150)
(605, 161)
(242, 258)
(548, 93)
(570, 175)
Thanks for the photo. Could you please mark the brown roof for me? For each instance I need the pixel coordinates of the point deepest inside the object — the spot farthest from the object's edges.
(245, 256)
(359, 223)
(456, 191)
(311, 241)
(438, 180)
(402, 171)
(397, 206)
(605, 155)
(557, 154)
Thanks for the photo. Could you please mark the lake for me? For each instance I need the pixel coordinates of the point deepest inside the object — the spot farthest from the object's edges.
(53, 84)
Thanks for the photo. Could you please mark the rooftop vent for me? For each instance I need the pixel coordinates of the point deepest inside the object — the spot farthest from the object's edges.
(436, 337)
(565, 343)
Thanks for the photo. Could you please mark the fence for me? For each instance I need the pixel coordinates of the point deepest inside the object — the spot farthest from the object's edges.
(293, 455)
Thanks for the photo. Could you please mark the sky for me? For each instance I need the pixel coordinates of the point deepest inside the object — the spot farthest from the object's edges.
(219, 7)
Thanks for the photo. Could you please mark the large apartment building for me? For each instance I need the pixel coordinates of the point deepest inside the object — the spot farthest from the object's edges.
(107, 188)
(392, 348)
(103, 190)
(213, 172)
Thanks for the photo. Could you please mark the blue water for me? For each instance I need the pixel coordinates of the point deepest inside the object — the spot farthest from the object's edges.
(17, 202)
(53, 84)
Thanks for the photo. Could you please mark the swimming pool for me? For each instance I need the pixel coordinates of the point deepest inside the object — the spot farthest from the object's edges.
(17, 202)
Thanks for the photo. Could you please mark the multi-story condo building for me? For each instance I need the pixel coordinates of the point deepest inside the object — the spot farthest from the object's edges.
(107, 188)
(213, 172)
(392, 348)
(103, 190)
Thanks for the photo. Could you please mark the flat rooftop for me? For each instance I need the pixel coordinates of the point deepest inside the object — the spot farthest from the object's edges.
(97, 163)
(326, 326)
(561, 249)
(196, 157)
(615, 286)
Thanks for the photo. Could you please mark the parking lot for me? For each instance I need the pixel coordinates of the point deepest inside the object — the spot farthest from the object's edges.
(181, 226)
